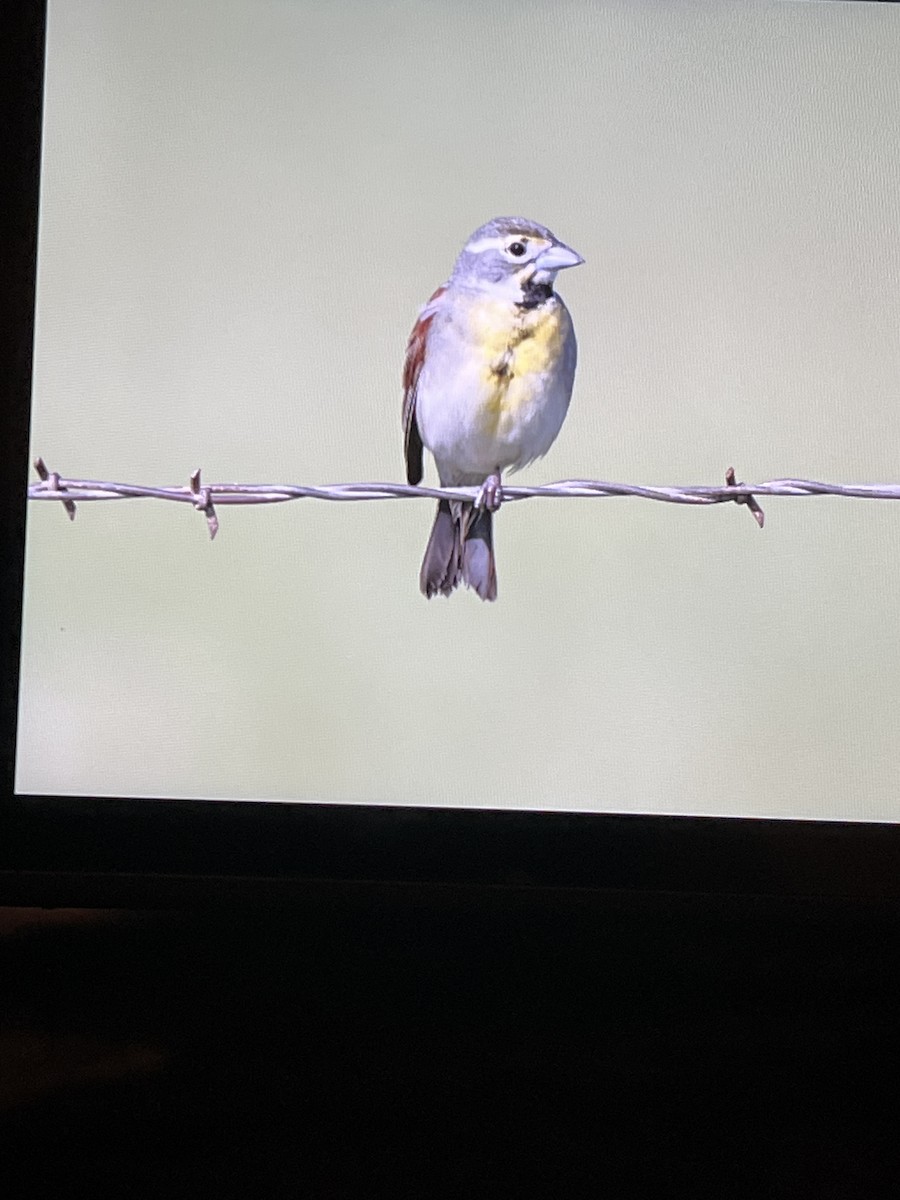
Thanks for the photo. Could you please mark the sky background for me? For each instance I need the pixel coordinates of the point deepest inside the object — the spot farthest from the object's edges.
(243, 206)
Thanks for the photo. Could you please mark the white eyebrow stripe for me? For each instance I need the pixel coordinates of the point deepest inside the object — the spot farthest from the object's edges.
(499, 242)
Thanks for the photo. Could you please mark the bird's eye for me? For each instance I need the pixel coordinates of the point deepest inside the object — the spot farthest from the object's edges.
(516, 249)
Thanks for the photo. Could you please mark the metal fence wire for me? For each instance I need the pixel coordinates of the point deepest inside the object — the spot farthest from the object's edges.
(207, 497)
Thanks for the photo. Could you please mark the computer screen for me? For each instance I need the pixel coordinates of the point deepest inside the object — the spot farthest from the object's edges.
(245, 208)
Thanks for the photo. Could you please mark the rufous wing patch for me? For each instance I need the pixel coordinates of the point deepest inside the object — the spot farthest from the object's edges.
(412, 369)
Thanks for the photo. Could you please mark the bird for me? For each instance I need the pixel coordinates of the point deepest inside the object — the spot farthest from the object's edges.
(487, 381)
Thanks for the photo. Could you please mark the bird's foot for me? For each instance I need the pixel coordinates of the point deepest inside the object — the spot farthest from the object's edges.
(491, 493)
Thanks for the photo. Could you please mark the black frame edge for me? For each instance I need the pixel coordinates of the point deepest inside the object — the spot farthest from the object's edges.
(131, 840)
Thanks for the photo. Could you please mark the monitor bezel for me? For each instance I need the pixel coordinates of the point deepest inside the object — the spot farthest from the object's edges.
(62, 849)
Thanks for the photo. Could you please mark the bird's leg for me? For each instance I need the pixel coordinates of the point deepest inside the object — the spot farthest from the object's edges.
(491, 494)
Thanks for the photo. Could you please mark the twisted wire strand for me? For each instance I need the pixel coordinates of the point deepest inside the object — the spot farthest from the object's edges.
(206, 496)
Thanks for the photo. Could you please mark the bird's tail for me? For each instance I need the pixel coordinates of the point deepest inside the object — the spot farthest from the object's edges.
(460, 550)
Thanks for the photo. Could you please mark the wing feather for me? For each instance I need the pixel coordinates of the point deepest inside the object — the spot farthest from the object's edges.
(412, 369)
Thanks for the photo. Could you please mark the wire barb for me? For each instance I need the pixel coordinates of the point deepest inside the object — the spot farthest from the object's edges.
(203, 503)
(749, 499)
(54, 490)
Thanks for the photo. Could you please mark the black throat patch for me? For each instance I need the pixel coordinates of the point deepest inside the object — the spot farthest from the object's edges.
(534, 294)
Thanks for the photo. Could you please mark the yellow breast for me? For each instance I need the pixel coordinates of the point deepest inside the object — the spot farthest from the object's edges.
(517, 348)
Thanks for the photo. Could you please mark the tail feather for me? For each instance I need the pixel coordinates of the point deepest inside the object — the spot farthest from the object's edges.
(441, 566)
(460, 550)
(479, 568)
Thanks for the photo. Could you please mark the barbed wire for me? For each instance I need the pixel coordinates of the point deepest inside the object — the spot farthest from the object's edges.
(205, 497)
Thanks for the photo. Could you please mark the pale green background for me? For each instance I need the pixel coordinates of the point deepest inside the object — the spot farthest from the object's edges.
(243, 205)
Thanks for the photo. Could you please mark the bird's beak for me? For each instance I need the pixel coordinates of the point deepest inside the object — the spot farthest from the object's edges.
(557, 256)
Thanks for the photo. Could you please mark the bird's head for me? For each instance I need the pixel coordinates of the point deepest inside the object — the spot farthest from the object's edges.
(514, 255)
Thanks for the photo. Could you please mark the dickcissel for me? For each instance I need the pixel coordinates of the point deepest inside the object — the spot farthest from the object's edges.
(487, 381)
